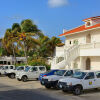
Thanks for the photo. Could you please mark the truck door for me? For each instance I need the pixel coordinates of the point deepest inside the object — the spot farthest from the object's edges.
(33, 73)
(97, 78)
(89, 81)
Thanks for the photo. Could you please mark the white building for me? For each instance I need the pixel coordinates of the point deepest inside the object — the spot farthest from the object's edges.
(82, 47)
(10, 60)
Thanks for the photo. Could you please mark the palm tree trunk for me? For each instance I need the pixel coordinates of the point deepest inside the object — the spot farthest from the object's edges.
(25, 51)
(14, 54)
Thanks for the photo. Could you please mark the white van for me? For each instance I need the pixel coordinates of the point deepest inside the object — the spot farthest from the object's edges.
(30, 73)
(11, 73)
(4, 68)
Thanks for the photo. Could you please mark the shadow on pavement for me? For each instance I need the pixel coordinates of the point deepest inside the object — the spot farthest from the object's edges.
(23, 95)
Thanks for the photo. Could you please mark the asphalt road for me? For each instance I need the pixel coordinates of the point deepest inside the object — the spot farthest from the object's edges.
(32, 90)
(21, 94)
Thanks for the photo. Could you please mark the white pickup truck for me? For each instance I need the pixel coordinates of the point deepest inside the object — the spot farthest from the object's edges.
(52, 80)
(30, 73)
(80, 81)
(4, 68)
(11, 73)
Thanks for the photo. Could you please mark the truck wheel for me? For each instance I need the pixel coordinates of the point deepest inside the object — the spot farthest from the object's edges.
(37, 79)
(77, 90)
(24, 78)
(18, 79)
(12, 76)
(48, 86)
(64, 90)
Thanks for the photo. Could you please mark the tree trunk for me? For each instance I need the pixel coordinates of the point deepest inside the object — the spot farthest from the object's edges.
(14, 54)
(25, 51)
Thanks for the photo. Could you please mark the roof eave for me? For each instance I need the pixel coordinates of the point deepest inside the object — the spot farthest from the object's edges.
(80, 31)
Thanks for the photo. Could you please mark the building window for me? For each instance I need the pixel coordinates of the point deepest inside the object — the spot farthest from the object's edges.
(75, 42)
(88, 24)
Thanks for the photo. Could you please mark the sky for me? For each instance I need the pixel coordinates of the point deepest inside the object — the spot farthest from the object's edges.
(51, 16)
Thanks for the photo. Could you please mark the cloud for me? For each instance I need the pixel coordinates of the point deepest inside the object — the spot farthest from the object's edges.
(57, 3)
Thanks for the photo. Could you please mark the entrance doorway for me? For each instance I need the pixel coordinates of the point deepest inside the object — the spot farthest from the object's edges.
(88, 38)
(88, 64)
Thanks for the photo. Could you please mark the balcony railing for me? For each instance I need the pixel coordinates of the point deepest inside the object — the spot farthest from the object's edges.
(90, 45)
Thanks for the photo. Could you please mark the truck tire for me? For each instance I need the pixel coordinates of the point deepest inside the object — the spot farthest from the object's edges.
(12, 76)
(18, 79)
(64, 91)
(77, 90)
(47, 86)
(24, 78)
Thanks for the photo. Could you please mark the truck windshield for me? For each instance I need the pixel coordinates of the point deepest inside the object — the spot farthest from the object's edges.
(27, 69)
(79, 75)
(20, 68)
(60, 72)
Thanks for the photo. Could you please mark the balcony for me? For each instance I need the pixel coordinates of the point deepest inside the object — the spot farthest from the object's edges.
(91, 49)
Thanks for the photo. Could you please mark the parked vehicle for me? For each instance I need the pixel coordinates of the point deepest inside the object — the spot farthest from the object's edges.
(4, 68)
(1, 68)
(80, 81)
(48, 73)
(52, 81)
(30, 73)
(11, 73)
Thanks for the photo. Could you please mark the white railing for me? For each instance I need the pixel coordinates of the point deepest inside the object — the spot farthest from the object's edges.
(90, 45)
(60, 65)
(72, 53)
(69, 55)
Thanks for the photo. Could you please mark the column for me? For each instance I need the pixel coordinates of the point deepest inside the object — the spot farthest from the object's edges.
(82, 63)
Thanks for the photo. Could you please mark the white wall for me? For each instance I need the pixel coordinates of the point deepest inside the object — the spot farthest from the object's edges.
(59, 51)
(95, 63)
(78, 36)
(81, 37)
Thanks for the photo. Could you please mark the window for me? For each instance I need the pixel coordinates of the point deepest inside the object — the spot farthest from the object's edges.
(75, 42)
(34, 69)
(6, 67)
(69, 42)
(98, 74)
(68, 73)
(88, 24)
(21, 68)
(90, 75)
(79, 75)
(42, 68)
(60, 72)
(11, 67)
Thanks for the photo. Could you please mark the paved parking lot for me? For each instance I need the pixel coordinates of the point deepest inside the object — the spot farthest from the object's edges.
(11, 89)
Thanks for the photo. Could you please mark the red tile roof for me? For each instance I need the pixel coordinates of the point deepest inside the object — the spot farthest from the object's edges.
(79, 29)
(96, 17)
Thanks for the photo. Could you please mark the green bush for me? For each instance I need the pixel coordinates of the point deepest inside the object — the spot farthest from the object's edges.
(22, 64)
(39, 62)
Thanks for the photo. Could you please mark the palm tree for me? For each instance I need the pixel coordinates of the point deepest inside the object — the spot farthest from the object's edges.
(10, 40)
(54, 41)
(29, 34)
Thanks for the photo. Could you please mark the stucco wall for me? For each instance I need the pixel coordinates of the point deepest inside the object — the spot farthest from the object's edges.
(81, 37)
(59, 51)
(95, 63)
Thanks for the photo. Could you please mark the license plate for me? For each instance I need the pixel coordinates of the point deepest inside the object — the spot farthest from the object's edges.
(60, 86)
